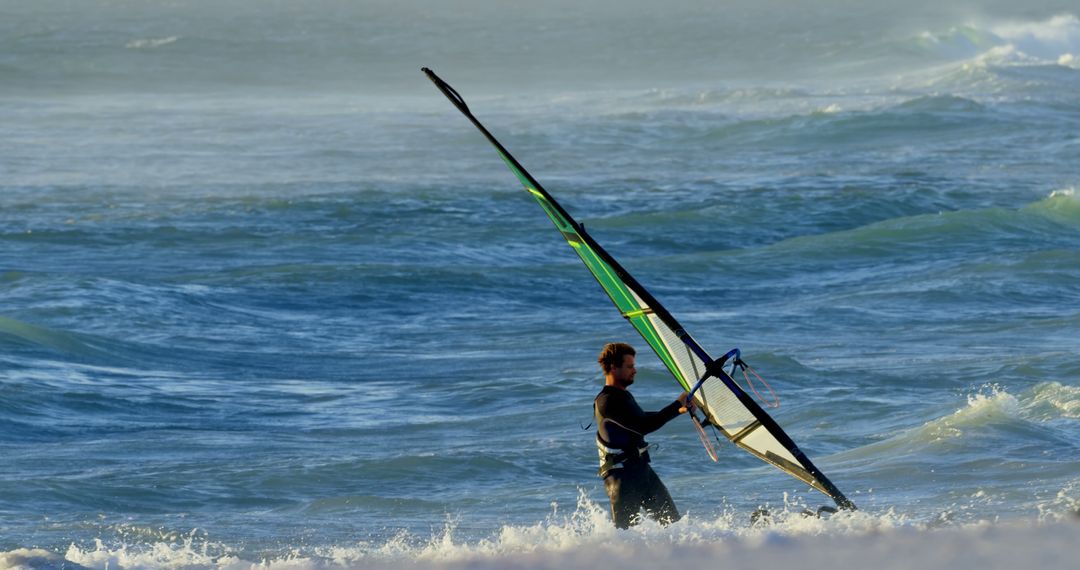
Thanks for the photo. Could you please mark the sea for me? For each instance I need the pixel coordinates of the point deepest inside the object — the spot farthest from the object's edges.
(267, 300)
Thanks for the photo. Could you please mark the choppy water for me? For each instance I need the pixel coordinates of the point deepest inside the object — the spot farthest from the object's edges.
(267, 296)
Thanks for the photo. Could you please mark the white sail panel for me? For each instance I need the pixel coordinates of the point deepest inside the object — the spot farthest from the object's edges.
(760, 440)
(719, 402)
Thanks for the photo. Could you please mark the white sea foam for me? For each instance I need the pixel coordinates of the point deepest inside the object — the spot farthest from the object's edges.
(32, 559)
(1064, 506)
(586, 539)
(1054, 40)
(1053, 400)
(1063, 192)
(1007, 54)
(579, 537)
(1047, 39)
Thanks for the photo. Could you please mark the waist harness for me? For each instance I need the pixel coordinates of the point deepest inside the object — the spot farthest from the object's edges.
(614, 458)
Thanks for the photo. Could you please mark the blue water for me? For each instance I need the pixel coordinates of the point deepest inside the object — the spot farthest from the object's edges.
(267, 295)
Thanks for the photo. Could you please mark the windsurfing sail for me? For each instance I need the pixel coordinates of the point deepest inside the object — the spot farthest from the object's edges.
(725, 404)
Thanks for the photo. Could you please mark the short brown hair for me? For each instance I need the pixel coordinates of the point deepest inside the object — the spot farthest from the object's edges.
(613, 354)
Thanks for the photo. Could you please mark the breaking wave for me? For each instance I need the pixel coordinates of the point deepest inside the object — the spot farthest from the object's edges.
(1055, 40)
(585, 539)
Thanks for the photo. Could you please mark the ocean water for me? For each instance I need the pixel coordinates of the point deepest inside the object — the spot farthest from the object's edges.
(268, 300)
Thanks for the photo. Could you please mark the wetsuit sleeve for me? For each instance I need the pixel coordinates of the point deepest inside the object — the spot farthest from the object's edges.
(624, 409)
(665, 415)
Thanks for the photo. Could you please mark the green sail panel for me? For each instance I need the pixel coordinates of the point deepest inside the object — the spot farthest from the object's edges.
(630, 305)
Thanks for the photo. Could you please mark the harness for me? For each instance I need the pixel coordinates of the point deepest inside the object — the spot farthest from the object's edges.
(616, 458)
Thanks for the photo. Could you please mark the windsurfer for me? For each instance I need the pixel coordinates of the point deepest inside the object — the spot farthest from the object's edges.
(630, 482)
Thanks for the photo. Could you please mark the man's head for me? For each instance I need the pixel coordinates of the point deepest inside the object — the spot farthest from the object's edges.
(617, 361)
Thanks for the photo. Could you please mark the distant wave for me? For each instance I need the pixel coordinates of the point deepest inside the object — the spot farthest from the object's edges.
(151, 43)
(928, 232)
(1056, 40)
(18, 332)
(674, 98)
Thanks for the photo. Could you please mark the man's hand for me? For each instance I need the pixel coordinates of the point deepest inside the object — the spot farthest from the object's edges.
(682, 400)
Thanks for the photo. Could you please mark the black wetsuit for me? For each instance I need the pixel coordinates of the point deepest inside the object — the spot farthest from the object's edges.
(630, 482)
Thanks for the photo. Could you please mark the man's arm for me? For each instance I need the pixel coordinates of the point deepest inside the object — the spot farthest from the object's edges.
(622, 408)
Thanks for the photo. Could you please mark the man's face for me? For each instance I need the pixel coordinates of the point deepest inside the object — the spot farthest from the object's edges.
(624, 374)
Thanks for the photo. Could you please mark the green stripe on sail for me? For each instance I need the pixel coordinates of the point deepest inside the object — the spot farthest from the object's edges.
(618, 291)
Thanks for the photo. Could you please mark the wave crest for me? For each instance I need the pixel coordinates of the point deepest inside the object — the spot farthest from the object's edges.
(988, 406)
(585, 534)
(1061, 205)
(1048, 39)
(862, 539)
(1053, 400)
(1054, 40)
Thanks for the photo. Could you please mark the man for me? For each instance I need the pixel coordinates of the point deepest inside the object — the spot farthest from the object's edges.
(630, 482)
